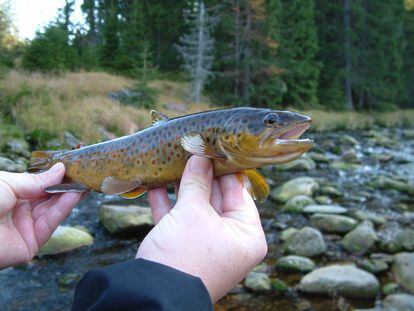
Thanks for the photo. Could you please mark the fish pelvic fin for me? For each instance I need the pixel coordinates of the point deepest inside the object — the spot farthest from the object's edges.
(41, 160)
(256, 184)
(134, 193)
(73, 187)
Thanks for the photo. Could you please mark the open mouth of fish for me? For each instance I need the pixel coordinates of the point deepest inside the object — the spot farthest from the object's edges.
(291, 134)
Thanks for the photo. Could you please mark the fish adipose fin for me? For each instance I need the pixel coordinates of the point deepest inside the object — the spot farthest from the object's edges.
(158, 117)
(111, 185)
(256, 184)
(134, 193)
(195, 144)
(74, 187)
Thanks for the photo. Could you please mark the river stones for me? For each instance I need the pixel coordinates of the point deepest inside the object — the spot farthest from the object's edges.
(297, 203)
(12, 166)
(330, 190)
(348, 140)
(403, 270)
(287, 233)
(367, 215)
(344, 166)
(17, 147)
(384, 182)
(351, 156)
(332, 223)
(344, 280)
(304, 163)
(306, 242)
(399, 302)
(324, 209)
(373, 265)
(406, 238)
(301, 185)
(258, 282)
(318, 157)
(119, 219)
(65, 239)
(361, 239)
(295, 264)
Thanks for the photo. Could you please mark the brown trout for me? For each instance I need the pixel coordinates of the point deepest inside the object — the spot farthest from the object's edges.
(237, 140)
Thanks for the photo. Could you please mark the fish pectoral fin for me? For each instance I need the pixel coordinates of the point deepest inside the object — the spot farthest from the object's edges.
(73, 187)
(134, 193)
(158, 117)
(256, 184)
(195, 144)
(112, 185)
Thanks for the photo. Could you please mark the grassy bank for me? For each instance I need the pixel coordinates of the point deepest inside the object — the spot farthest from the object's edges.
(79, 103)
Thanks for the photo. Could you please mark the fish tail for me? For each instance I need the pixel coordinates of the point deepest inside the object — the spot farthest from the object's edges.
(42, 160)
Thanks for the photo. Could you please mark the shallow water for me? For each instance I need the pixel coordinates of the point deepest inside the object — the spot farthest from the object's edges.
(40, 286)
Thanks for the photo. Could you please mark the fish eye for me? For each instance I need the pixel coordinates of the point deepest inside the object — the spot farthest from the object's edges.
(271, 120)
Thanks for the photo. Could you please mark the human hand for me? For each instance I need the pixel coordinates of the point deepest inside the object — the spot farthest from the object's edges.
(213, 232)
(28, 215)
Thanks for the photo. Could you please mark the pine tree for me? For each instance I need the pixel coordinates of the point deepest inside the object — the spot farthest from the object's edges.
(109, 29)
(408, 59)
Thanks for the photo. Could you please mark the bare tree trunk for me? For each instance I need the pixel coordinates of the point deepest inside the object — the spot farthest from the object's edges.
(348, 60)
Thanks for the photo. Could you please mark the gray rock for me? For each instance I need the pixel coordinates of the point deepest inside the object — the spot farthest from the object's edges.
(118, 219)
(318, 157)
(330, 190)
(295, 264)
(403, 270)
(324, 209)
(12, 166)
(258, 282)
(287, 233)
(399, 302)
(390, 288)
(304, 163)
(306, 242)
(366, 215)
(332, 223)
(279, 286)
(297, 203)
(65, 239)
(18, 147)
(373, 265)
(343, 166)
(323, 200)
(361, 239)
(347, 281)
(301, 185)
(384, 182)
(406, 238)
(348, 140)
(351, 156)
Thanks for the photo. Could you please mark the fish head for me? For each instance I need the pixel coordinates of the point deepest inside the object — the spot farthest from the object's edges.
(264, 136)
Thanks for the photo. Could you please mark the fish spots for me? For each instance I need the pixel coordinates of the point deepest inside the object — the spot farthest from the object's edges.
(154, 162)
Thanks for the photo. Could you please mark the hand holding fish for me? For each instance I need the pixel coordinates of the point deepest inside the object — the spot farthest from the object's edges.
(28, 215)
(213, 231)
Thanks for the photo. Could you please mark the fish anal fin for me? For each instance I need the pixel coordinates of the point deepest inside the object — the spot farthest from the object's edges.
(61, 188)
(195, 144)
(256, 184)
(134, 193)
(158, 117)
(112, 185)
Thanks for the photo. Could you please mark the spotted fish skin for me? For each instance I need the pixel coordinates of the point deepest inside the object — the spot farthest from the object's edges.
(155, 156)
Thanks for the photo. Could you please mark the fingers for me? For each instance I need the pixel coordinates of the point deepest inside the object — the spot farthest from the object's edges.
(195, 186)
(29, 186)
(216, 197)
(54, 211)
(160, 203)
(237, 202)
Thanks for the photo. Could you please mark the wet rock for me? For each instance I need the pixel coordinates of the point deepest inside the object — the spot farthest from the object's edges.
(406, 239)
(330, 190)
(361, 239)
(343, 166)
(351, 156)
(18, 147)
(286, 234)
(390, 288)
(324, 209)
(347, 281)
(118, 219)
(318, 157)
(301, 185)
(304, 163)
(348, 140)
(295, 264)
(366, 215)
(323, 199)
(258, 282)
(70, 140)
(384, 182)
(69, 280)
(373, 265)
(399, 302)
(403, 270)
(12, 166)
(383, 257)
(306, 242)
(332, 223)
(65, 239)
(408, 133)
(279, 286)
(262, 267)
(297, 203)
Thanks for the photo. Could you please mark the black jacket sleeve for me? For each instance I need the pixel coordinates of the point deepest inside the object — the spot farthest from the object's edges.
(140, 285)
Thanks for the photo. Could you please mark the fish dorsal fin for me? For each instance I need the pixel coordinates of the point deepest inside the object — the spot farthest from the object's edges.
(158, 117)
(72, 187)
(112, 185)
(195, 144)
(134, 193)
(256, 184)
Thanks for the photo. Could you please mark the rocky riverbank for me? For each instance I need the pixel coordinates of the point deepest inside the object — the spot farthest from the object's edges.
(339, 224)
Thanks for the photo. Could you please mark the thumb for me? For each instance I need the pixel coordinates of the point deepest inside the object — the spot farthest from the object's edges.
(195, 185)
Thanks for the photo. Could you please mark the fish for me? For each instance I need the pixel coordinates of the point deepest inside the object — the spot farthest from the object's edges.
(237, 140)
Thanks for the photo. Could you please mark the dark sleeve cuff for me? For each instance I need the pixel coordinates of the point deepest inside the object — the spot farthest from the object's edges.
(140, 285)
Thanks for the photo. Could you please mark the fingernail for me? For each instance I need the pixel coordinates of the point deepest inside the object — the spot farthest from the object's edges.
(56, 168)
(199, 165)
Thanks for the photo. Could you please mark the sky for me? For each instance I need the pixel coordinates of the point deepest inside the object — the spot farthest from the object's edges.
(32, 15)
